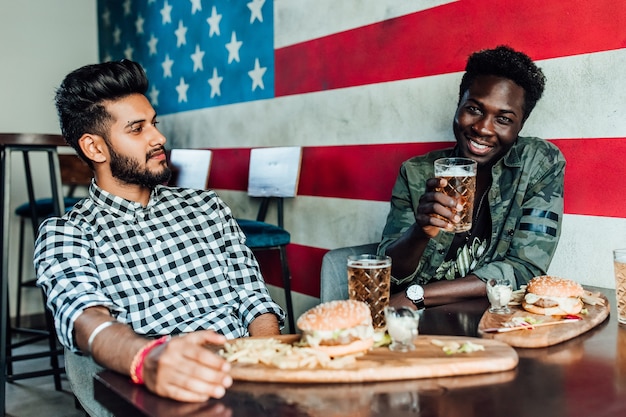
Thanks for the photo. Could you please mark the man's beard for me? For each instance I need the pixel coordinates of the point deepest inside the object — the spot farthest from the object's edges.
(128, 170)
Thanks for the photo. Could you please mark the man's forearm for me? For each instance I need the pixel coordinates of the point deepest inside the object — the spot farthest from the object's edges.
(264, 325)
(444, 291)
(114, 347)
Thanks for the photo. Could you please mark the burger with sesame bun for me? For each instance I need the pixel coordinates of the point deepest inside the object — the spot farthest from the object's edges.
(338, 328)
(552, 296)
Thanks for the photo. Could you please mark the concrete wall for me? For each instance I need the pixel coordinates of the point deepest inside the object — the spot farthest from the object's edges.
(40, 42)
(582, 111)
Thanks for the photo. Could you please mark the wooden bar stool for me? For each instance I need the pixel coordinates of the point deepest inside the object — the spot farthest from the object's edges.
(25, 143)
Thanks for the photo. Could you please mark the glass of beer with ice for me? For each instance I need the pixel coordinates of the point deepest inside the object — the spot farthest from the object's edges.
(460, 173)
(369, 280)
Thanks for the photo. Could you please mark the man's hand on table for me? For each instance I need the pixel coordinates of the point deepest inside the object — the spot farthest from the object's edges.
(184, 370)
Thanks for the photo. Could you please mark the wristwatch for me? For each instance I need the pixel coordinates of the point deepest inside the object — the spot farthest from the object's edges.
(415, 293)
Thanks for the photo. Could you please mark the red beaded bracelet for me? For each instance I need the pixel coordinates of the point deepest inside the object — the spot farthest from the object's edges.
(136, 366)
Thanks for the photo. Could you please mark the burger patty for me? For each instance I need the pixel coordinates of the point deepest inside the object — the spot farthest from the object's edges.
(546, 303)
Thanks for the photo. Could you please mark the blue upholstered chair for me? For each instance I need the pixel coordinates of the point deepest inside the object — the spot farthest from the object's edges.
(74, 174)
(273, 176)
(334, 273)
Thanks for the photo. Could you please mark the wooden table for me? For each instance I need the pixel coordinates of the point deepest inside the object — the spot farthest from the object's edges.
(23, 143)
(585, 376)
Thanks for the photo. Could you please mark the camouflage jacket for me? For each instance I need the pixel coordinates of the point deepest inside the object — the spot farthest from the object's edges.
(526, 205)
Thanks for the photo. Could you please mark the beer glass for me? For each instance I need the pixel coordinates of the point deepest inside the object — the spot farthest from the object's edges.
(619, 263)
(369, 280)
(461, 176)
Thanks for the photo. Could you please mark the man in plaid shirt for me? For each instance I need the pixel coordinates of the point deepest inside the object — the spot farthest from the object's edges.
(137, 262)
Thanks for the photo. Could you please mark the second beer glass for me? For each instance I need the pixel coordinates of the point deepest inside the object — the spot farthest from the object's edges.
(369, 280)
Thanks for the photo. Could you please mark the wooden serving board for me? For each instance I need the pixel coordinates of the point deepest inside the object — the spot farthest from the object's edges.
(381, 364)
(542, 336)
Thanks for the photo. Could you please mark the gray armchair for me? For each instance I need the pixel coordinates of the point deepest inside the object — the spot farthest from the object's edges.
(334, 275)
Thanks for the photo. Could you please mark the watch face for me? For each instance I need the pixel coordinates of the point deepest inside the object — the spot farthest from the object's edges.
(415, 292)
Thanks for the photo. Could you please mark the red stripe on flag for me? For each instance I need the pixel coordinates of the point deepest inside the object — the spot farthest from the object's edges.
(229, 169)
(368, 172)
(305, 263)
(364, 172)
(439, 40)
(594, 176)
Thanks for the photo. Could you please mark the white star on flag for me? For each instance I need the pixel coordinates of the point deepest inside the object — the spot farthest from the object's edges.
(215, 82)
(166, 13)
(196, 6)
(167, 66)
(128, 52)
(181, 34)
(117, 35)
(139, 25)
(106, 17)
(255, 10)
(181, 89)
(127, 4)
(197, 59)
(152, 45)
(257, 75)
(233, 48)
(154, 96)
(214, 23)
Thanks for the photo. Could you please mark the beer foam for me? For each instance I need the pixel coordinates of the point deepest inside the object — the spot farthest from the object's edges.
(455, 171)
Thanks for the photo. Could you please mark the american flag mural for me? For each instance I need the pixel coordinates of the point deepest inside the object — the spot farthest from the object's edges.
(364, 85)
(195, 56)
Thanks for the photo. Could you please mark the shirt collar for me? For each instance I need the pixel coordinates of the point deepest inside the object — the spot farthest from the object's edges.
(120, 206)
(513, 158)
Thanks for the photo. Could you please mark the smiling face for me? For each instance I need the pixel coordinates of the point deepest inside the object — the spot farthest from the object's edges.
(136, 147)
(488, 119)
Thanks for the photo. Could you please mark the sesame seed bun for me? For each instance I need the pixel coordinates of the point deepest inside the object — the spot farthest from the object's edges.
(338, 314)
(554, 287)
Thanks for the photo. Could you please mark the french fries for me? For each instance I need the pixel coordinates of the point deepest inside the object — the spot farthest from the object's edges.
(272, 352)
(591, 299)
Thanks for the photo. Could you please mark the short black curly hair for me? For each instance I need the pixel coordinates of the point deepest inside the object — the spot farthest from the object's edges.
(504, 61)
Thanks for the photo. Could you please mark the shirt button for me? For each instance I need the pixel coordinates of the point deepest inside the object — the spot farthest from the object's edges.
(441, 251)
(511, 232)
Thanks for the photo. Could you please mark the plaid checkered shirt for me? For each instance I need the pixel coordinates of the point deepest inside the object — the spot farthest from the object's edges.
(178, 265)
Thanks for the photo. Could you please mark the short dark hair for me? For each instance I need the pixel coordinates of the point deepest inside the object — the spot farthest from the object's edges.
(79, 99)
(504, 61)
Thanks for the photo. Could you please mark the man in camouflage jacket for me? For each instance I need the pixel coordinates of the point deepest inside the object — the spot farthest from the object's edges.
(518, 205)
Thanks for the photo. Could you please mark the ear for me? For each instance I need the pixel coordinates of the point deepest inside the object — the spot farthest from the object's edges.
(94, 147)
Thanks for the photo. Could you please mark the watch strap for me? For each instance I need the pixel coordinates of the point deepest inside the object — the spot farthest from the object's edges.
(419, 304)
